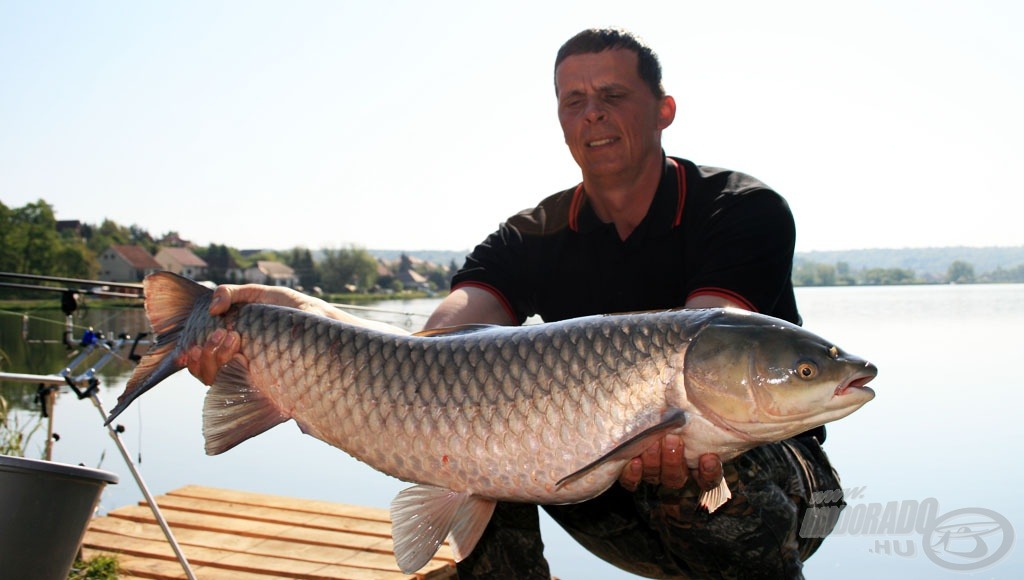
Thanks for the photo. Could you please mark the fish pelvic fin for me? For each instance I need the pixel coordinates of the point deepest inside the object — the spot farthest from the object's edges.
(634, 445)
(713, 499)
(235, 410)
(170, 300)
(422, 516)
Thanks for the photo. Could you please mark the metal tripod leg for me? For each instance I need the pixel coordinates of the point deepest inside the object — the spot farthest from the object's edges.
(145, 490)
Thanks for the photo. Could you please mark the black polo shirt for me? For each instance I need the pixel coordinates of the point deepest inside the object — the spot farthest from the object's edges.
(708, 231)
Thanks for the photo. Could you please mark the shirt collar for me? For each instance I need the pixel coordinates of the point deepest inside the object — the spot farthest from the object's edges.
(665, 213)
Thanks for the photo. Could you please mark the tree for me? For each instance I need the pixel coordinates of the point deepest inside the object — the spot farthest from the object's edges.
(351, 266)
(960, 272)
(301, 260)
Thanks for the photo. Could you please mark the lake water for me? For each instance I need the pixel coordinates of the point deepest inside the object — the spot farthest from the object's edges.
(933, 447)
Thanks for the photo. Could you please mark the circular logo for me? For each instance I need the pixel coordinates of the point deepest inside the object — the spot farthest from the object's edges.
(968, 539)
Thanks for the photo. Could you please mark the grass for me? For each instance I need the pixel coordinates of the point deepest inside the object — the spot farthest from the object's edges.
(101, 567)
(14, 436)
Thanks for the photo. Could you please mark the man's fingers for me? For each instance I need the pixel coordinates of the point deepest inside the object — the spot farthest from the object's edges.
(206, 361)
(709, 471)
(631, 474)
(651, 459)
(673, 467)
(222, 297)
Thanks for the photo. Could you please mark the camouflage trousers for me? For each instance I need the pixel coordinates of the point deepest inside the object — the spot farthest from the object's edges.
(662, 533)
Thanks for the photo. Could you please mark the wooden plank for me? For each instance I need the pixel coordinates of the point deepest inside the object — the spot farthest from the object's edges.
(251, 536)
(275, 514)
(267, 546)
(158, 569)
(270, 500)
(202, 557)
(242, 527)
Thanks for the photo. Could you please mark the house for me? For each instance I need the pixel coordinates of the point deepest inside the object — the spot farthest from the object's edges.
(412, 279)
(183, 262)
(271, 273)
(123, 263)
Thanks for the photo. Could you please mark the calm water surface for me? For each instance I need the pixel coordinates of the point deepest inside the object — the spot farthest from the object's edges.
(934, 444)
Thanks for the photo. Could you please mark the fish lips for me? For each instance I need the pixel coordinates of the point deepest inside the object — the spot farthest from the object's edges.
(855, 385)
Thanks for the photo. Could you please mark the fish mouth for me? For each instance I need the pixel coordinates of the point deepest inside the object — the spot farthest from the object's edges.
(856, 384)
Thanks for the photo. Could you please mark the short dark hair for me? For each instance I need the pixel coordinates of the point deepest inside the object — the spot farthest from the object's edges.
(595, 40)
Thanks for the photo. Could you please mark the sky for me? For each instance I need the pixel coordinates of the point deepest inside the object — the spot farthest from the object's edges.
(422, 125)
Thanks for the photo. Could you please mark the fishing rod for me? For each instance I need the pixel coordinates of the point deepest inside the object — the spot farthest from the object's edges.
(93, 291)
(133, 285)
(86, 291)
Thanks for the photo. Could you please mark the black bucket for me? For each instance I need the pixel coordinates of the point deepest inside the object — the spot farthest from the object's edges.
(45, 509)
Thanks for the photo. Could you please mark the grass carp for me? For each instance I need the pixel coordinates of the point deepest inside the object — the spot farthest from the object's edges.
(546, 414)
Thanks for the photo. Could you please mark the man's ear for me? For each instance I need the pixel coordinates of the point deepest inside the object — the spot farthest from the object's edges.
(666, 112)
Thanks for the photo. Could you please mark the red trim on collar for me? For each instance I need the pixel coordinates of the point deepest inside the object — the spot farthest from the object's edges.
(574, 208)
(577, 199)
(681, 176)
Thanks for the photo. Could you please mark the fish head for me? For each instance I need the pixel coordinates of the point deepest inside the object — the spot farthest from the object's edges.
(768, 379)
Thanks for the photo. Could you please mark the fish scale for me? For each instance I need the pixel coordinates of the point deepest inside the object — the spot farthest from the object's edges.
(543, 414)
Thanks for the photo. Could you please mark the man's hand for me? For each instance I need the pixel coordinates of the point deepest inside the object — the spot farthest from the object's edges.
(205, 361)
(664, 463)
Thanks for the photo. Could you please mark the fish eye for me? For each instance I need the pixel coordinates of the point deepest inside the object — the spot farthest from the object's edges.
(806, 370)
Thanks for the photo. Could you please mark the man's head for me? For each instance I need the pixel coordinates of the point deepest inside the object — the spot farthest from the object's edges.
(594, 40)
(612, 108)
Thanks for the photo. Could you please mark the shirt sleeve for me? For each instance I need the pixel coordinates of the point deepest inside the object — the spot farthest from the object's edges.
(499, 265)
(744, 251)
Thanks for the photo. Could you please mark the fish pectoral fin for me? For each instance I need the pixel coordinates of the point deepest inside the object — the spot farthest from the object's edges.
(634, 445)
(235, 410)
(713, 499)
(422, 516)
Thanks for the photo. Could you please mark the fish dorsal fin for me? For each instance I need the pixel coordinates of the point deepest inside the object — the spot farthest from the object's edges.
(234, 410)
(423, 515)
(634, 445)
(453, 330)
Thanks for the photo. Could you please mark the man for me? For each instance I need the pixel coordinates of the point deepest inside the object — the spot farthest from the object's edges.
(642, 231)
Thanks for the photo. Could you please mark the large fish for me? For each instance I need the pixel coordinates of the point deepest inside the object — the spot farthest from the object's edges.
(545, 414)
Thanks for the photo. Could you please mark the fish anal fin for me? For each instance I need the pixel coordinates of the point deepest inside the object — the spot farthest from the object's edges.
(470, 523)
(422, 517)
(672, 419)
(235, 410)
(713, 499)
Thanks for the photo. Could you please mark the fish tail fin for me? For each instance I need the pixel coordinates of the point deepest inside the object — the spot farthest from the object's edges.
(170, 300)
(235, 410)
(423, 515)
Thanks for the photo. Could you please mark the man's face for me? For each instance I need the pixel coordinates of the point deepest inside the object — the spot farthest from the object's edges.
(611, 120)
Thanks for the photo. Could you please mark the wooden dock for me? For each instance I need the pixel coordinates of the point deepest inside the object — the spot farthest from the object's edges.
(238, 535)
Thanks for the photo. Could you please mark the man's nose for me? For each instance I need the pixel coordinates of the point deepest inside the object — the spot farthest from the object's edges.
(595, 111)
